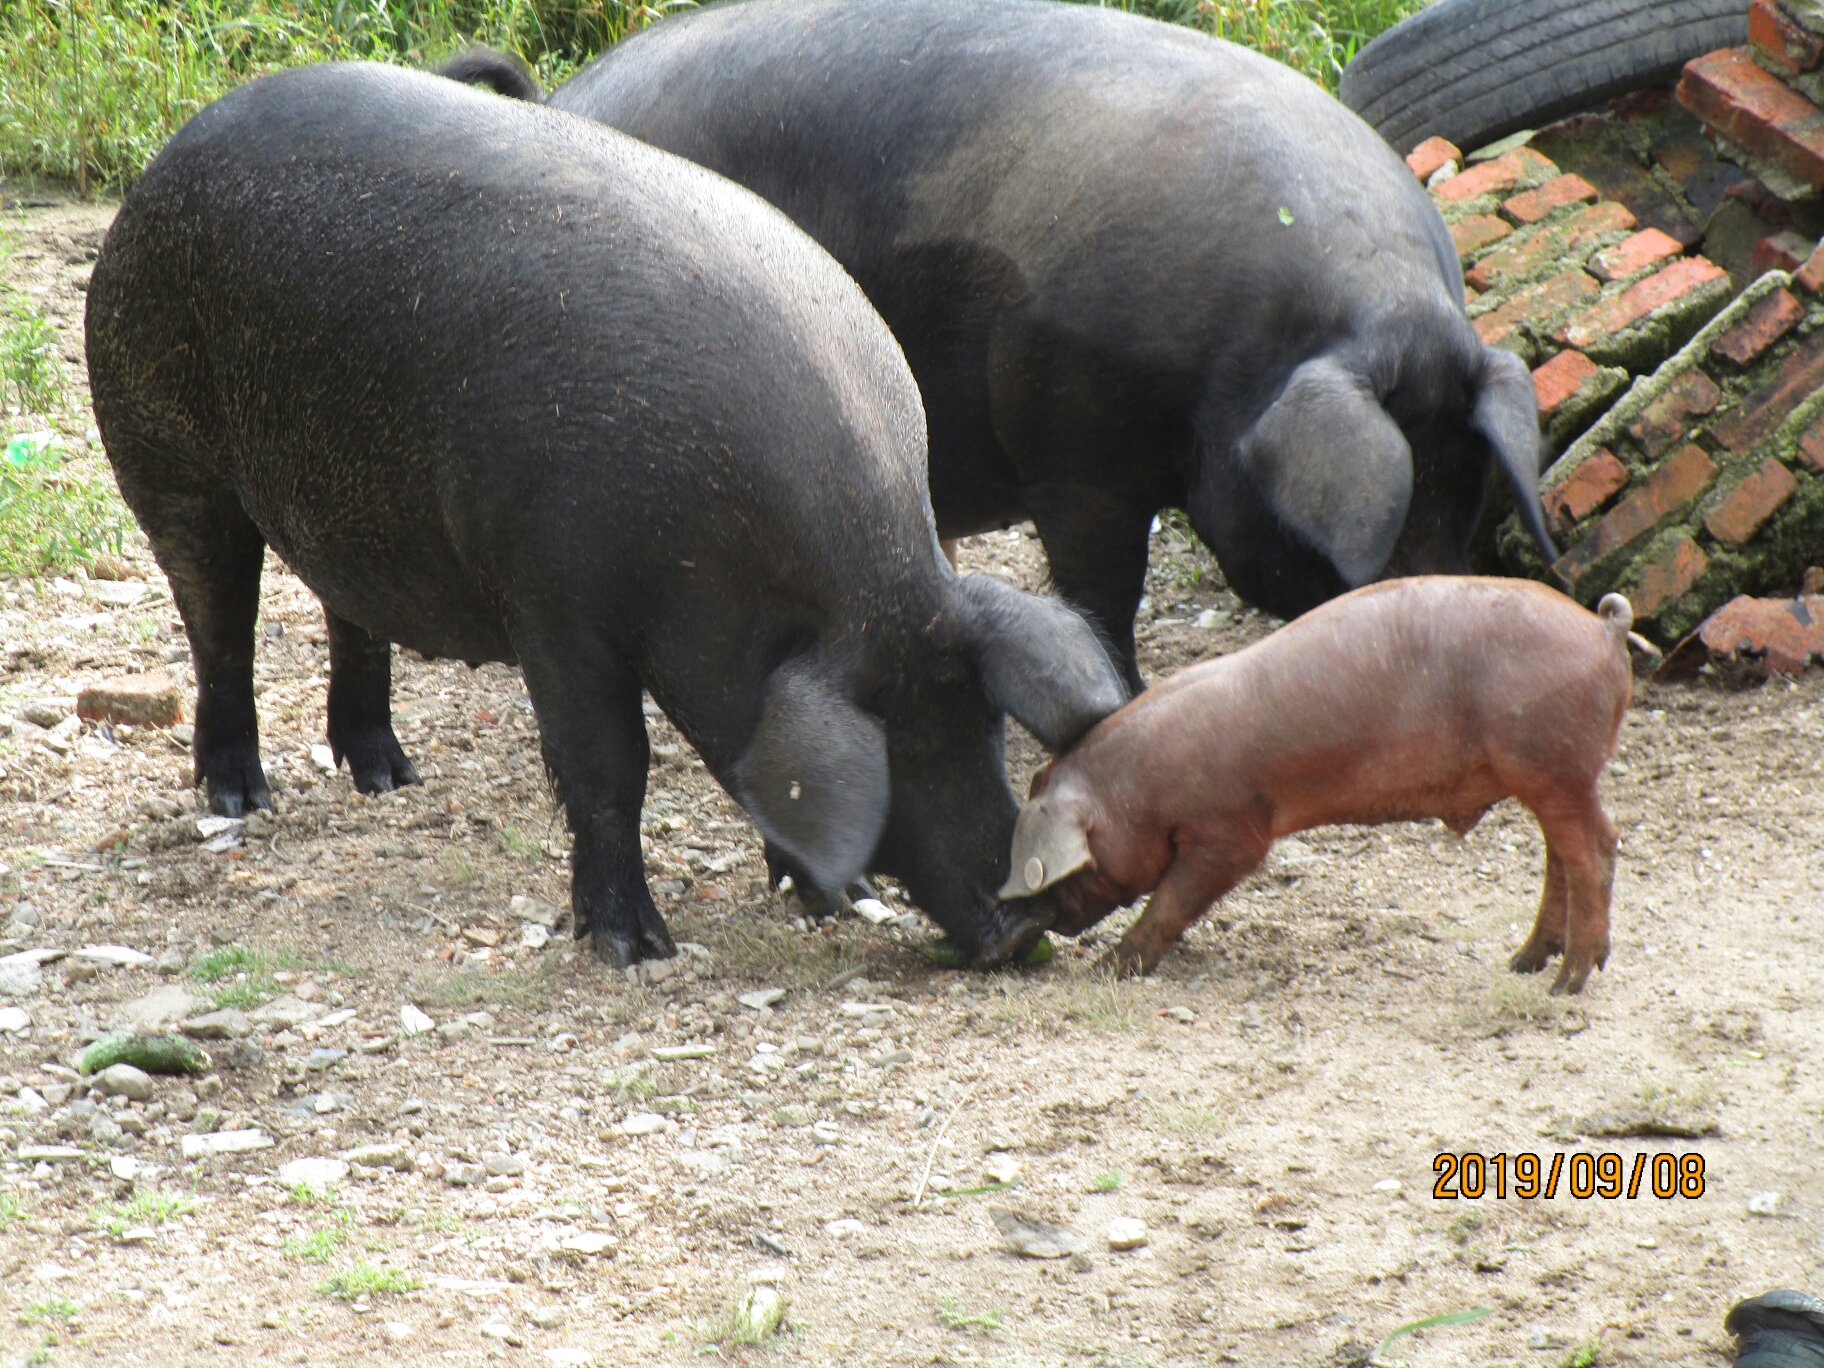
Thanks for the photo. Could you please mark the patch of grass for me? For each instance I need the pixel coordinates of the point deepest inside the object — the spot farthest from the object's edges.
(1317, 37)
(52, 519)
(517, 844)
(142, 1209)
(1103, 1002)
(1510, 1004)
(635, 1083)
(1196, 1123)
(1585, 1355)
(50, 1309)
(453, 867)
(30, 375)
(11, 1209)
(1109, 1182)
(447, 987)
(363, 1279)
(1464, 1226)
(766, 947)
(250, 969)
(1379, 1359)
(952, 1316)
(324, 1198)
(319, 1246)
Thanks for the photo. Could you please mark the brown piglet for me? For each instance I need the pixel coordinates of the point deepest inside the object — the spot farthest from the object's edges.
(1429, 697)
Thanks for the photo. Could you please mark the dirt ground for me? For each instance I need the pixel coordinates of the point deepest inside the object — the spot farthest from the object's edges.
(1270, 1104)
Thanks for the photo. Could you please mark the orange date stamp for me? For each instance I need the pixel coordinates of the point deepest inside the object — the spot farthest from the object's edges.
(1529, 1176)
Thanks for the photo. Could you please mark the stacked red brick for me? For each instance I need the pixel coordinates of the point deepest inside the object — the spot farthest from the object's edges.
(1567, 280)
(1706, 480)
(1762, 100)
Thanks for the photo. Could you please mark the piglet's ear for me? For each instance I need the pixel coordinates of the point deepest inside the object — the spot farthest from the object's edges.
(1041, 663)
(1049, 845)
(814, 777)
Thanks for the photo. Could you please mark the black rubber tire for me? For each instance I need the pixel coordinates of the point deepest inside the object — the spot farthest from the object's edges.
(1476, 70)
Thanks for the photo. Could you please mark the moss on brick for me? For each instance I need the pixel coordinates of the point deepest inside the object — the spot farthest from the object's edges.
(1577, 412)
(1663, 331)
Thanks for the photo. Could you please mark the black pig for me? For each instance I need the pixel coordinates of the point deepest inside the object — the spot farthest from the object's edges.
(1132, 267)
(502, 384)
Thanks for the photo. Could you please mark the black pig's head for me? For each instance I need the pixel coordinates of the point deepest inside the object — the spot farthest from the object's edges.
(892, 760)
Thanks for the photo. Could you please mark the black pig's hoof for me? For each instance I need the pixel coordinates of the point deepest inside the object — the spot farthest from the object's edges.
(1013, 934)
(623, 946)
(234, 781)
(375, 762)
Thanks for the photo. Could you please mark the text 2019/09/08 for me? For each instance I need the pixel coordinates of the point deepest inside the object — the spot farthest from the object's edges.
(1529, 1176)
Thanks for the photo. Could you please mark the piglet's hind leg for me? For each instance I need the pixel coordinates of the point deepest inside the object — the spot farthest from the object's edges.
(1197, 878)
(1583, 837)
(1548, 927)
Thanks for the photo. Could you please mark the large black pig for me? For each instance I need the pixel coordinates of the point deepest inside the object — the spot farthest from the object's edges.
(502, 384)
(1132, 267)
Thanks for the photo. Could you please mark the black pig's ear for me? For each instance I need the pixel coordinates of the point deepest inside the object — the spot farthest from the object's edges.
(1041, 662)
(814, 777)
(1333, 467)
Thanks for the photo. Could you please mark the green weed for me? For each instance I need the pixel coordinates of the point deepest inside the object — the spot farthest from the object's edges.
(11, 1209)
(954, 1317)
(50, 1309)
(52, 519)
(142, 1209)
(30, 374)
(1110, 1181)
(363, 1279)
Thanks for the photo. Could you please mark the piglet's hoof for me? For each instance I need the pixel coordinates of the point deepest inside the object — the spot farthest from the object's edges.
(1127, 960)
(1528, 960)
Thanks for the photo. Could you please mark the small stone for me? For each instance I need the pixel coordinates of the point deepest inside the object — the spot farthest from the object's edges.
(124, 1167)
(47, 712)
(147, 700)
(569, 1356)
(843, 1228)
(415, 1022)
(464, 1175)
(587, 1242)
(14, 1020)
(286, 1011)
(874, 910)
(794, 1115)
(866, 1011)
(226, 1024)
(535, 911)
(387, 1154)
(546, 1317)
(761, 999)
(1126, 1232)
(113, 956)
(481, 935)
(123, 1080)
(1001, 1168)
(80, 971)
(504, 1165)
(642, 1123)
(20, 977)
(888, 1058)
(159, 1010)
(1178, 1013)
(50, 1154)
(324, 1057)
(117, 593)
(224, 1142)
(532, 936)
(323, 758)
(320, 1173)
(210, 827)
(1209, 620)
(1765, 1203)
(1391, 1186)
(673, 1053)
(1033, 1238)
(497, 1184)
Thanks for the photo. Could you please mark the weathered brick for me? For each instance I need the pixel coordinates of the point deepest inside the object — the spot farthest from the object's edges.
(1810, 276)
(1759, 415)
(1777, 126)
(1430, 155)
(1597, 479)
(1665, 290)
(1632, 255)
(145, 700)
(1536, 304)
(1668, 576)
(1667, 418)
(1786, 633)
(1510, 169)
(1768, 319)
(1560, 378)
(1681, 478)
(1545, 246)
(1811, 445)
(1751, 503)
(1529, 206)
(1779, 44)
(1477, 231)
(1781, 251)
